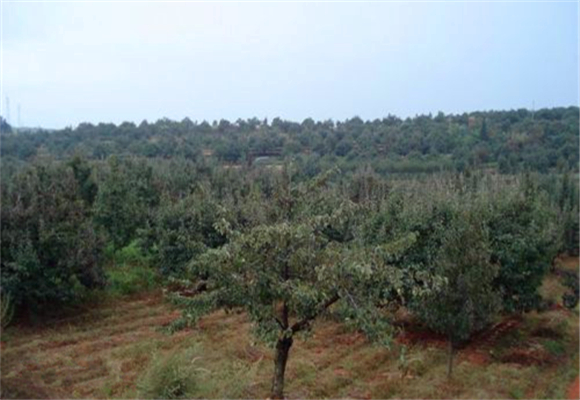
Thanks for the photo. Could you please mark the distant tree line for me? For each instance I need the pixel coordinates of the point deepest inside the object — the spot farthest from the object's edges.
(509, 141)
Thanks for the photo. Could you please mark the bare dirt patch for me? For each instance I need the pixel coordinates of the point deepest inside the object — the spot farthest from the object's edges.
(567, 263)
(574, 390)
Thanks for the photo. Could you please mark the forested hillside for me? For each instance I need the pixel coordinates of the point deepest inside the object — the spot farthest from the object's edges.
(512, 141)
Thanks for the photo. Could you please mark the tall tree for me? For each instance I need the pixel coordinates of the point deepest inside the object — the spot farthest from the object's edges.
(483, 133)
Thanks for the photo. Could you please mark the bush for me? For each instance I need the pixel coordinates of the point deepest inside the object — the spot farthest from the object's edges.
(130, 271)
(130, 254)
(175, 376)
(130, 279)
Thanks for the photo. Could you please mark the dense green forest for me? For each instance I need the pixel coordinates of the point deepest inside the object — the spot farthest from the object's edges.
(456, 218)
(512, 141)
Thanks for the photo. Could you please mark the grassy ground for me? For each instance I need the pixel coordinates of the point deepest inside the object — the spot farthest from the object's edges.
(116, 350)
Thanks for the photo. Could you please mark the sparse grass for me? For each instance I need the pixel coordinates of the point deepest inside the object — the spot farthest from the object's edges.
(568, 264)
(552, 289)
(117, 351)
(174, 376)
(554, 347)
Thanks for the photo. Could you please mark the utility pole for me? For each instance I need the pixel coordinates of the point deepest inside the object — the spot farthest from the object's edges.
(19, 123)
(8, 109)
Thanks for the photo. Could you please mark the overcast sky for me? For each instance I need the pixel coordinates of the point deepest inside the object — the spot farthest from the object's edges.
(66, 63)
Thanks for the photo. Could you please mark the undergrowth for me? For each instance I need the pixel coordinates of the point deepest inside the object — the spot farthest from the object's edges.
(129, 271)
(175, 376)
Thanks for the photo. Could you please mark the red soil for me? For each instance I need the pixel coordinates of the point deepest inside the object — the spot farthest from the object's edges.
(574, 391)
(427, 338)
(476, 357)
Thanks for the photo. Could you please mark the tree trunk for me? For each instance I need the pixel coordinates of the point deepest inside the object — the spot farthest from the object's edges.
(282, 350)
(450, 358)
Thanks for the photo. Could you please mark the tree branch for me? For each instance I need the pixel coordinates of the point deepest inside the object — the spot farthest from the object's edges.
(285, 315)
(279, 323)
(298, 326)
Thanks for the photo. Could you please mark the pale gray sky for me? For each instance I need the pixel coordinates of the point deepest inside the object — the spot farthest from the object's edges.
(66, 63)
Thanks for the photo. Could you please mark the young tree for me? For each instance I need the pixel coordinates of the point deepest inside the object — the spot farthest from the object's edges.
(467, 300)
(523, 242)
(483, 133)
(285, 276)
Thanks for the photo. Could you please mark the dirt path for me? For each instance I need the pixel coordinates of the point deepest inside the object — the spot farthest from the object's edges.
(574, 391)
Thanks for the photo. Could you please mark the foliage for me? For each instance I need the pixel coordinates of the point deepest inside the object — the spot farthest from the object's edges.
(82, 172)
(133, 253)
(285, 275)
(468, 300)
(183, 230)
(130, 279)
(130, 271)
(514, 140)
(524, 243)
(567, 199)
(124, 200)
(518, 238)
(50, 252)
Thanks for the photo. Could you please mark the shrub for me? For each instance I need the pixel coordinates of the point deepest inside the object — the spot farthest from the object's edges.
(130, 271)
(175, 376)
(131, 254)
(129, 279)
